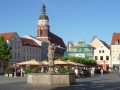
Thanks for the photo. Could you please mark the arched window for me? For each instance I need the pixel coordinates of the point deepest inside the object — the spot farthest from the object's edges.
(102, 51)
(99, 51)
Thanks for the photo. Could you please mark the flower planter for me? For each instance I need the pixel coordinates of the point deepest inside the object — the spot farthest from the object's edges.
(10, 75)
(6, 75)
(25, 75)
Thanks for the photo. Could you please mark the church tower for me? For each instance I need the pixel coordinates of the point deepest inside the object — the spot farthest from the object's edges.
(43, 25)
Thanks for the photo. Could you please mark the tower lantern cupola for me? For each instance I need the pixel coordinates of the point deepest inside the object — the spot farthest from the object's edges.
(43, 15)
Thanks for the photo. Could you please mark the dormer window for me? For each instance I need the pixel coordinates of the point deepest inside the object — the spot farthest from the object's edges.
(24, 43)
(116, 42)
(31, 44)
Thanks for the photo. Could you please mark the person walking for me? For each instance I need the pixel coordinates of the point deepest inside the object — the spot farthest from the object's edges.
(101, 71)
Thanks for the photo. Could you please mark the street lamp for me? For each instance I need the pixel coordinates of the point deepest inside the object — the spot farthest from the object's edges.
(15, 70)
(21, 70)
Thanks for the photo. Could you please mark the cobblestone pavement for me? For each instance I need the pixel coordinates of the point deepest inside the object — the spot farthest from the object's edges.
(108, 82)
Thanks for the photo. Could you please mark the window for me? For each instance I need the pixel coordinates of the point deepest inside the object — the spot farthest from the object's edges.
(114, 58)
(24, 58)
(18, 45)
(116, 42)
(14, 55)
(119, 57)
(39, 50)
(101, 57)
(24, 49)
(11, 44)
(107, 57)
(102, 51)
(18, 55)
(40, 32)
(30, 49)
(101, 46)
(15, 45)
(15, 38)
(114, 50)
(118, 50)
(27, 57)
(96, 57)
(99, 51)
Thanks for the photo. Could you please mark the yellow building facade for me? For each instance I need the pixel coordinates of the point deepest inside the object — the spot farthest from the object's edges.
(115, 55)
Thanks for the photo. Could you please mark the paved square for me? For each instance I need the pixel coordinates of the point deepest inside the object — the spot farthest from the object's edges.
(108, 82)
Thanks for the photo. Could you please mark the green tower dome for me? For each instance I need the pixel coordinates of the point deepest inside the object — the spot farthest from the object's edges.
(43, 15)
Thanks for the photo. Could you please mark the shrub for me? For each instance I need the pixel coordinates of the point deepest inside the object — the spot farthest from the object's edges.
(36, 70)
(9, 71)
(61, 70)
(27, 71)
(70, 70)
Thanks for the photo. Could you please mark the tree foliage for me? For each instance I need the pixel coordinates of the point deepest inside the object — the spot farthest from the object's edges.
(4, 49)
(85, 61)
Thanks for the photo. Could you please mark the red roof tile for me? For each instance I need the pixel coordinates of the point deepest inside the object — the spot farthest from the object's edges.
(57, 40)
(8, 35)
(29, 42)
(115, 37)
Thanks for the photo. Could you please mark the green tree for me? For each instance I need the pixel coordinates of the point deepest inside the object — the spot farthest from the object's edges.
(5, 54)
(80, 60)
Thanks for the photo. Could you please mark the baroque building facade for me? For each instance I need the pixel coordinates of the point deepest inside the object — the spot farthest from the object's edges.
(79, 49)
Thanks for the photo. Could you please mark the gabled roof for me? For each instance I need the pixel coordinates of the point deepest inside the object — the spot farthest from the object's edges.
(38, 41)
(115, 37)
(57, 40)
(8, 35)
(105, 44)
(29, 42)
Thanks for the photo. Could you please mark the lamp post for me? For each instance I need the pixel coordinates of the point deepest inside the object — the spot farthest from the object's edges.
(21, 70)
(15, 70)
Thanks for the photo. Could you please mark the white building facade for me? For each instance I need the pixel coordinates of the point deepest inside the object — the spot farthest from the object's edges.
(101, 53)
(22, 49)
(44, 46)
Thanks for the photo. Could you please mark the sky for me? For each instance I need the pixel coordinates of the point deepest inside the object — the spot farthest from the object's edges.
(71, 20)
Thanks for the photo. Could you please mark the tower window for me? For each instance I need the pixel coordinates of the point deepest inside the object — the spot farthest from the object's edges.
(41, 32)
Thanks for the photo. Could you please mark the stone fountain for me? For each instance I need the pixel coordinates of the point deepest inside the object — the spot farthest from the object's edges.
(51, 78)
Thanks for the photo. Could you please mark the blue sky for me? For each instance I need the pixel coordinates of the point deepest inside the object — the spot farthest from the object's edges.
(70, 19)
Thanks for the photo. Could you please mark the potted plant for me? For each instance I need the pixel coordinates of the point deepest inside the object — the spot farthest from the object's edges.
(26, 71)
(110, 69)
(9, 72)
(36, 70)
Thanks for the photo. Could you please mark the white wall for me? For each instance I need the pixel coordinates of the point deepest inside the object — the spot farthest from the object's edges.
(29, 52)
(106, 53)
